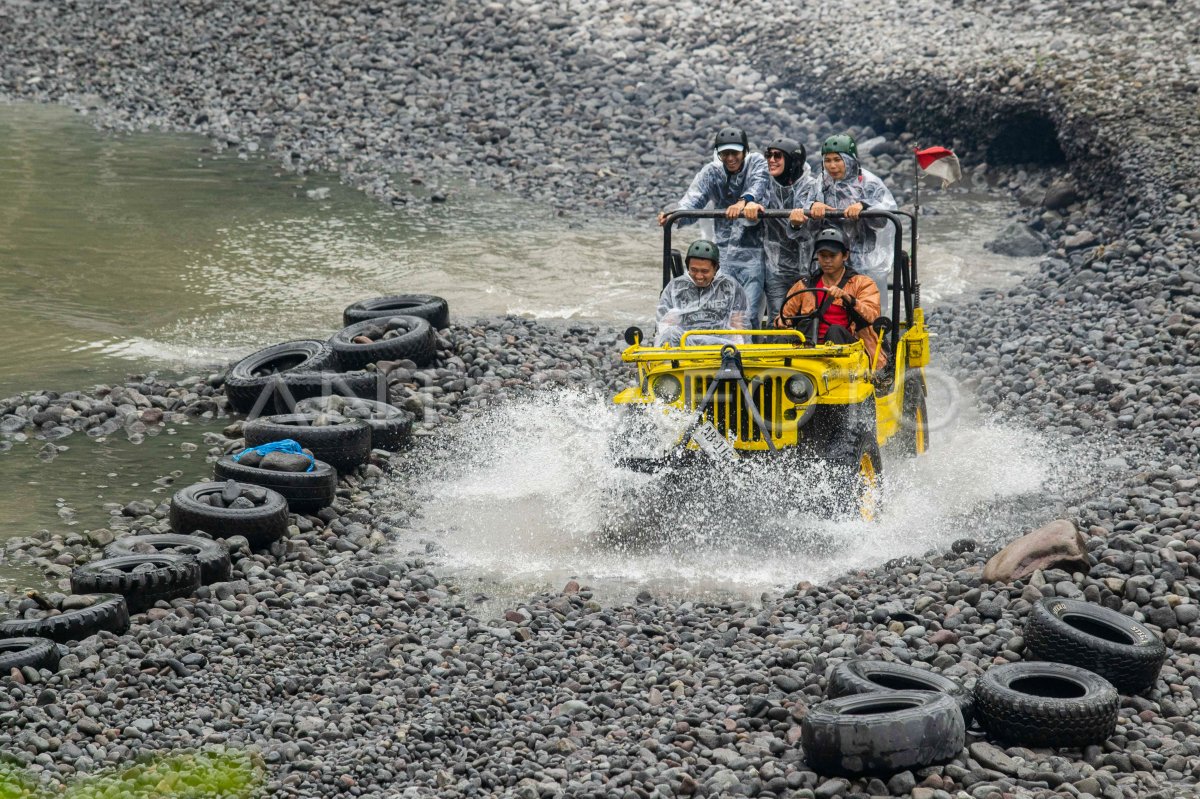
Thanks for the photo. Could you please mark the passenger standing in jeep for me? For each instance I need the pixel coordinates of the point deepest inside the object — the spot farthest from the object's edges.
(844, 301)
(736, 178)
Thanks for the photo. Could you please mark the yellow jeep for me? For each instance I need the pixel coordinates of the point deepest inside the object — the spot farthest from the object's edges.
(785, 394)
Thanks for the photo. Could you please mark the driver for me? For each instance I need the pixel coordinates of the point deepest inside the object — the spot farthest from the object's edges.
(845, 302)
(703, 298)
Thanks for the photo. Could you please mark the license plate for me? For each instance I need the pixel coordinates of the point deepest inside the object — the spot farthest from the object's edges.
(713, 444)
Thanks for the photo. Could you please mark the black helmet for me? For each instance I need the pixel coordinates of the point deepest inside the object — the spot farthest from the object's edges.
(702, 248)
(794, 156)
(728, 136)
(830, 237)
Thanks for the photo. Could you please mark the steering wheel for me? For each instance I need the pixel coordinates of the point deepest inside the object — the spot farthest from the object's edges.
(811, 320)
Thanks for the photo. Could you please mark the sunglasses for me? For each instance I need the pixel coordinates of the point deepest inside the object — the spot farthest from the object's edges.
(773, 154)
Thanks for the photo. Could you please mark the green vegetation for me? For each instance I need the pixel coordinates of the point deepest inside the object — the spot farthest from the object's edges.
(206, 775)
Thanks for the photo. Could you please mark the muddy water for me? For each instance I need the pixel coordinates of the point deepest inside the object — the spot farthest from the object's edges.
(529, 498)
(155, 253)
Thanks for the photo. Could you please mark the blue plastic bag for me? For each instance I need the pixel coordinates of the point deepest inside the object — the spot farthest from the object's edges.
(286, 445)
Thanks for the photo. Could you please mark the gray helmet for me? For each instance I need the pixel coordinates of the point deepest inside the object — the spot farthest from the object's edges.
(702, 248)
(830, 237)
(726, 136)
(794, 156)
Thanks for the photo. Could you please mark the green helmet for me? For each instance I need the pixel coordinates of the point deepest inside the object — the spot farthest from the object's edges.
(840, 143)
(701, 248)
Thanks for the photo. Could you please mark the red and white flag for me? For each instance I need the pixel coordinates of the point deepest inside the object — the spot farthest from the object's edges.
(941, 163)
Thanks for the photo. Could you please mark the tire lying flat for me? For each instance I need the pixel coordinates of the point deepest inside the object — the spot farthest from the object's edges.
(866, 676)
(141, 579)
(258, 372)
(1046, 704)
(345, 444)
(1111, 644)
(261, 525)
(882, 732)
(109, 612)
(391, 427)
(37, 653)
(302, 492)
(298, 386)
(434, 310)
(416, 342)
(213, 556)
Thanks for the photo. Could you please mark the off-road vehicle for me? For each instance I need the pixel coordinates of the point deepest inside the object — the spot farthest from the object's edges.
(784, 395)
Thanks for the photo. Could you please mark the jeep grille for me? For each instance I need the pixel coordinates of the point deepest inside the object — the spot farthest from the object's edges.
(728, 413)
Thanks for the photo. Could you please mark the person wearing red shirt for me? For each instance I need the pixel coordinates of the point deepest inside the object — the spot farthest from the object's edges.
(846, 301)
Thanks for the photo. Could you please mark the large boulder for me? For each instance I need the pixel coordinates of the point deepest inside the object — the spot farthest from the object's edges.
(1017, 241)
(1057, 545)
(1061, 194)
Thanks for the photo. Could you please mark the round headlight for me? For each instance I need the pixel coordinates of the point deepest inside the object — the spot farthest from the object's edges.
(667, 388)
(799, 389)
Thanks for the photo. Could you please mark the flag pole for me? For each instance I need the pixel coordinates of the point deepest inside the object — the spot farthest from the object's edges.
(916, 183)
(916, 288)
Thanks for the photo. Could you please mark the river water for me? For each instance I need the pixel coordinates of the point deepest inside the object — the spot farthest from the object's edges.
(153, 252)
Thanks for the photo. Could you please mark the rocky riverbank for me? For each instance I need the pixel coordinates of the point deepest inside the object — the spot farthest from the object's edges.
(362, 677)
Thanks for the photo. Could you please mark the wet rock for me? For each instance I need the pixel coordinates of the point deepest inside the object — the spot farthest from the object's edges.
(285, 462)
(1016, 241)
(1060, 195)
(1057, 545)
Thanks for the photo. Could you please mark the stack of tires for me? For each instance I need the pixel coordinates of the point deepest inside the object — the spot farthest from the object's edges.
(887, 717)
(135, 572)
(382, 329)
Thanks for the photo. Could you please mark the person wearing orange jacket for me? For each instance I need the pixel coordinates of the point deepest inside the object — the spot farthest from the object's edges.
(845, 302)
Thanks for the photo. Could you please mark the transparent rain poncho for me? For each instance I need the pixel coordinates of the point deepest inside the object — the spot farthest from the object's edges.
(740, 240)
(788, 249)
(683, 306)
(870, 239)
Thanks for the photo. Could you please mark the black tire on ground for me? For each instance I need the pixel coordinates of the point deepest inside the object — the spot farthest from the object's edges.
(344, 444)
(434, 310)
(416, 342)
(298, 386)
(1109, 643)
(865, 676)
(38, 653)
(914, 416)
(1046, 704)
(882, 732)
(256, 374)
(109, 612)
(261, 525)
(213, 556)
(304, 492)
(391, 427)
(141, 579)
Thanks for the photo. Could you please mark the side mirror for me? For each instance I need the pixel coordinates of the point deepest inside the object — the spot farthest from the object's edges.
(633, 335)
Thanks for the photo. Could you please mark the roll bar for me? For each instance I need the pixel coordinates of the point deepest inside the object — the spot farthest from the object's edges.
(904, 269)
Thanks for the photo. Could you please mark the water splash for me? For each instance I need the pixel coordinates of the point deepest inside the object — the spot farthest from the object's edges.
(529, 496)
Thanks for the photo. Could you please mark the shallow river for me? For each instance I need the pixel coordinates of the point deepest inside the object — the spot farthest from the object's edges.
(152, 252)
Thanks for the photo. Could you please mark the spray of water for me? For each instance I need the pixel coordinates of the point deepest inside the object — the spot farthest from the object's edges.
(531, 495)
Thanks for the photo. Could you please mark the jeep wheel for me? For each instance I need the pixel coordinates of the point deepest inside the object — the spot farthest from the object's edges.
(858, 479)
(914, 418)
